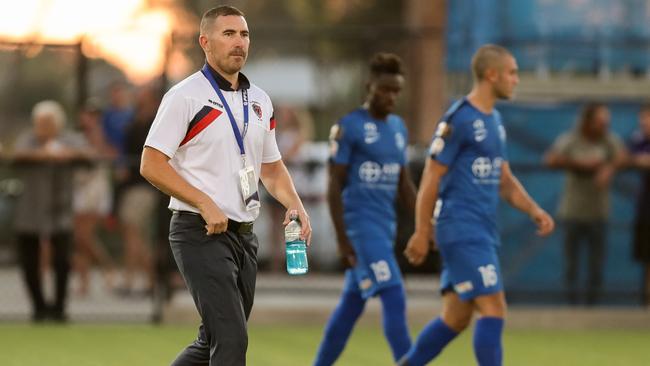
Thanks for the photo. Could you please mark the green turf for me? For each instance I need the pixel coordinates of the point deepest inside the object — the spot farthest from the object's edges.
(24, 345)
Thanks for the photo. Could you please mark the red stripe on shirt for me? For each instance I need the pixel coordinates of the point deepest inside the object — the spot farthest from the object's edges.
(272, 122)
(201, 125)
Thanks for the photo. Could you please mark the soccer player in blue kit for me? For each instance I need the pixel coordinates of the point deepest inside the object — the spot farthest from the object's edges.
(366, 172)
(467, 172)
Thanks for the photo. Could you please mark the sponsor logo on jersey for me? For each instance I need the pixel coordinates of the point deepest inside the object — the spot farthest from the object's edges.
(487, 171)
(482, 167)
(370, 172)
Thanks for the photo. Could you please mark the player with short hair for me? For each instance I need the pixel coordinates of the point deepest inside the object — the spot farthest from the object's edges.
(367, 171)
(467, 172)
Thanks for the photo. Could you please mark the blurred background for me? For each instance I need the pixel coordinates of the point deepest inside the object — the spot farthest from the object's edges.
(109, 62)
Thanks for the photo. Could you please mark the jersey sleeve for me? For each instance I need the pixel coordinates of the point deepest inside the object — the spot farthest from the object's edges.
(503, 137)
(447, 142)
(271, 151)
(341, 143)
(170, 125)
(405, 134)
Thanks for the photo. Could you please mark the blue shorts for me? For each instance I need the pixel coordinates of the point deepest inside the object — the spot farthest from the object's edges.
(470, 268)
(376, 266)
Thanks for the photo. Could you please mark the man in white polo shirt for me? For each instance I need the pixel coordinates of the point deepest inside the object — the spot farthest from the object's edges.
(212, 140)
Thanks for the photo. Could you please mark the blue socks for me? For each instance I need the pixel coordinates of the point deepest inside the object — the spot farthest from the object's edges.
(339, 327)
(434, 337)
(487, 341)
(396, 331)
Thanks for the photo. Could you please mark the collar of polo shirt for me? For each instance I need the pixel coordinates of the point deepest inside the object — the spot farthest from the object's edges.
(224, 84)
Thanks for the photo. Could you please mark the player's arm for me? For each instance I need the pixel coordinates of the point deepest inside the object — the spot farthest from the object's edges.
(338, 174)
(155, 168)
(417, 248)
(407, 190)
(515, 194)
(278, 183)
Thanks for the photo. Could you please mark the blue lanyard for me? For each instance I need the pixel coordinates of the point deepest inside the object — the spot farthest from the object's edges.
(244, 94)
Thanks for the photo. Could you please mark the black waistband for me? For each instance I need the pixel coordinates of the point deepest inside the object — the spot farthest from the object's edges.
(233, 226)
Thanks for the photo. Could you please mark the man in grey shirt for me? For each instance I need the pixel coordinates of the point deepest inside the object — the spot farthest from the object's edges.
(590, 155)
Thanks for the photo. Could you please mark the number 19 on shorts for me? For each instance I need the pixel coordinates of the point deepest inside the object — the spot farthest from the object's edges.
(381, 270)
(489, 275)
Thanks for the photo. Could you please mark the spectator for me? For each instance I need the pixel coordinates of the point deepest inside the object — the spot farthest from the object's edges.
(590, 155)
(640, 159)
(117, 115)
(92, 199)
(138, 199)
(44, 158)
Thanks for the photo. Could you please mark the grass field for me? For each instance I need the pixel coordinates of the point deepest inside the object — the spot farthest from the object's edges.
(113, 345)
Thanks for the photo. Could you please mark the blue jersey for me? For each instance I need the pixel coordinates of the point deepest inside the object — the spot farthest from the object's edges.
(375, 152)
(472, 145)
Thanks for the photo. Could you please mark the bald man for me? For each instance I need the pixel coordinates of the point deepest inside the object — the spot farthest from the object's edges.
(466, 173)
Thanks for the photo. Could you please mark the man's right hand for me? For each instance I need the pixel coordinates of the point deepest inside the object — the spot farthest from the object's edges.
(215, 220)
(347, 255)
(417, 248)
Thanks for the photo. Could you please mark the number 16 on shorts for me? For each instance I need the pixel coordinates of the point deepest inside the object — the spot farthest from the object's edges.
(489, 275)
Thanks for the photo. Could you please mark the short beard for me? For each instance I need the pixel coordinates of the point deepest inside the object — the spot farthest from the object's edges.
(229, 69)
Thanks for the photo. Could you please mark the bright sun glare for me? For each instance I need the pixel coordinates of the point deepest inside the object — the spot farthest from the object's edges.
(130, 34)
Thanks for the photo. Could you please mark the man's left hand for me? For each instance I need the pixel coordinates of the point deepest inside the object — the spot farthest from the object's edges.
(305, 225)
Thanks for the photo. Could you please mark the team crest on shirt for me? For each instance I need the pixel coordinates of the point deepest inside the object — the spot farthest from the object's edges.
(480, 132)
(257, 108)
(371, 134)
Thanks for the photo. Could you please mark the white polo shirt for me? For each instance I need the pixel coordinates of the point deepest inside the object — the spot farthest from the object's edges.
(193, 129)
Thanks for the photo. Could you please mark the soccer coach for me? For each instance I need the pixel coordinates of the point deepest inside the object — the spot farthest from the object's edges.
(212, 140)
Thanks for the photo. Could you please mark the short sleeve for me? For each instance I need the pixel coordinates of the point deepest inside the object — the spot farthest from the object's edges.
(405, 135)
(341, 143)
(562, 144)
(271, 152)
(170, 125)
(447, 142)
